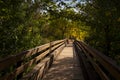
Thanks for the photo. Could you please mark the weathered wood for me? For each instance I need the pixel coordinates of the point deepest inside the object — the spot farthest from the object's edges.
(107, 63)
(62, 68)
(88, 71)
(46, 63)
(41, 52)
(6, 62)
(96, 67)
(96, 57)
(78, 71)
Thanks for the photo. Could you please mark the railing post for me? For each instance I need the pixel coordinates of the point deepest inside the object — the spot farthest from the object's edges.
(50, 46)
(65, 41)
(21, 74)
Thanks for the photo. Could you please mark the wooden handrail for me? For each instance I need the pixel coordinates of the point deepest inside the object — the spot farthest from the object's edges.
(100, 62)
(21, 62)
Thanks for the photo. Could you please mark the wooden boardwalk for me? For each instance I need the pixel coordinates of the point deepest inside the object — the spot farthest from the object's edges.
(76, 60)
(64, 68)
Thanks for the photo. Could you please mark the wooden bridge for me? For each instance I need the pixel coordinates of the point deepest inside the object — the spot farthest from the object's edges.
(59, 60)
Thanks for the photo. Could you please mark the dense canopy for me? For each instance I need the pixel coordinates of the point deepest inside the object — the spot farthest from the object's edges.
(25, 24)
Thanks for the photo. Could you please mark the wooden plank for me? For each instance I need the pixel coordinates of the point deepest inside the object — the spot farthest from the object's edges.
(62, 68)
(37, 67)
(16, 58)
(87, 69)
(56, 46)
(58, 51)
(97, 68)
(6, 62)
(106, 62)
(55, 42)
(40, 57)
(78, 73)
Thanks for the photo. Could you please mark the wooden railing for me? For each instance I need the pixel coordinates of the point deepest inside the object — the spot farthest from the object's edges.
(31, 64)
(104, 66)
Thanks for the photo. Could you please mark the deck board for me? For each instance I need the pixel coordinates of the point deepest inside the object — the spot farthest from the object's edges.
(63, 67)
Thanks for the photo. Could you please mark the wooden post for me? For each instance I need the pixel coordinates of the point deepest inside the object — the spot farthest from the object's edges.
(21, 74)
(50, 46)
(65, 42)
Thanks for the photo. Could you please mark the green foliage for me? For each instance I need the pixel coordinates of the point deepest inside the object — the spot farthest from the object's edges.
(25, 24)
(20, 26)
(103, 18)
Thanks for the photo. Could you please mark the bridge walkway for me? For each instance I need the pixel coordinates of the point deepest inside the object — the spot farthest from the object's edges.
(65, 67)
(75, 62)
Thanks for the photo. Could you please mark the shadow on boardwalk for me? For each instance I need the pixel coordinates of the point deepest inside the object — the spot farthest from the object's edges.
(62, 69)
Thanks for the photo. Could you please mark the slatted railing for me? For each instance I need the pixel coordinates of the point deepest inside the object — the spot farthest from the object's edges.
(31, 64)
(104, 66)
